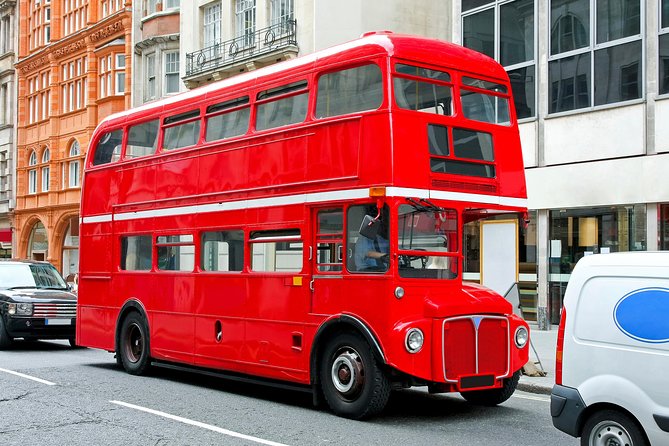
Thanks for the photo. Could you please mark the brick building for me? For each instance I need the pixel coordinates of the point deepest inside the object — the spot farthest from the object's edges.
(73, 69)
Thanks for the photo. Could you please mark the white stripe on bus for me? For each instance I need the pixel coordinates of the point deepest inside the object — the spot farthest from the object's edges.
(319, 197)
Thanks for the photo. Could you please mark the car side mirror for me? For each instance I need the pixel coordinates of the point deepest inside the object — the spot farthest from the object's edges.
(370, 227)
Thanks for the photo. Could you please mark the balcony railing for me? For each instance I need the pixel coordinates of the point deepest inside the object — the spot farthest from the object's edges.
(250, 45)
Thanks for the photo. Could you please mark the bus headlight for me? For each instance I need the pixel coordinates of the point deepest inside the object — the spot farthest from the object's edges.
(521, 337)
(414, 340)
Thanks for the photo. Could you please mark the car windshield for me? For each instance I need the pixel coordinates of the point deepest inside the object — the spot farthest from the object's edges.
(30, 276)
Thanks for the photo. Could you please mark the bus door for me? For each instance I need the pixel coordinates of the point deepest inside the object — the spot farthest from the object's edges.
(327, 261)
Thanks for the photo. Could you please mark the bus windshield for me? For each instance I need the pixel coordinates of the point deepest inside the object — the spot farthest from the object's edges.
(427, 241)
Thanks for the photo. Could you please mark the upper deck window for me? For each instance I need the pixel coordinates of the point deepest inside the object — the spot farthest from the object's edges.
(182, 130)
(281, 106)
(349, 91)
(429, 94)
(142, 139)
(107, 147)
(482, 101)
(228, 119)
(471, 152)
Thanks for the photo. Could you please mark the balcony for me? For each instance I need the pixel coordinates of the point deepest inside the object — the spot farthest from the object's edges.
(263, 47)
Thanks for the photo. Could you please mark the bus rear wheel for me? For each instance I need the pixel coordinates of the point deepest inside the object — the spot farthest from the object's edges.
(352, 381)
(133, 344)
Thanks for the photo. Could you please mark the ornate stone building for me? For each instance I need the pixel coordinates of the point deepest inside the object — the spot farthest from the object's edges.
(74, 69)
(8, 42)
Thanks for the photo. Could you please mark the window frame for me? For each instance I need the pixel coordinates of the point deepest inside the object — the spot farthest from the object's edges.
(166, 73)
(275, 236)
(662, 32)
(203, 252)
(591, 49)
(496, 6)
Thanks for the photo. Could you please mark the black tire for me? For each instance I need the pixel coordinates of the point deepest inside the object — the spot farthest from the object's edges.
(612, 427)
(493, 397)
(352, 382)
(133, 345)
(5, 340)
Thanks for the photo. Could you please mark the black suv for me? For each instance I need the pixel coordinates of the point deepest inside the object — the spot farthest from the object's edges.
(35, 303)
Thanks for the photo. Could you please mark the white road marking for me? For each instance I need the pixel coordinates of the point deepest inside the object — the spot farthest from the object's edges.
(198, 424)
(11, 372)
(531, 397)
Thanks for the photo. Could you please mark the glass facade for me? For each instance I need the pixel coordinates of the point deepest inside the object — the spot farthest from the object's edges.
(575, 233)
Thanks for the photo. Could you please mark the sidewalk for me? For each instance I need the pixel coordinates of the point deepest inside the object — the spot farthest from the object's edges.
(544, 343)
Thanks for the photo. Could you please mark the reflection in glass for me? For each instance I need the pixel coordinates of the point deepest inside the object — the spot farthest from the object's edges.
(472, 145)
(478, 32)
(618, 73)
(569, 25)
(523, 87)
(569, 80)
(664, 63)
(617, 19)
(516, 32)
(665, 13)
(423, 96)
(471, 4)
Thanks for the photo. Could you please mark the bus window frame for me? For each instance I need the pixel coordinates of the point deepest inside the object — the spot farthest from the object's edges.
(199, 250)
(455, 98)
(349, 65)
(126, 135)
(307, 78)
(166, 125)
(240, 106)
(249, 241)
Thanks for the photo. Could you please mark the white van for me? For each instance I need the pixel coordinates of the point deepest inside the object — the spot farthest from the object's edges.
(612, 362)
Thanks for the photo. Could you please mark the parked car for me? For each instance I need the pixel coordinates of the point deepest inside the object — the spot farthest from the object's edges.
(613, 351)
(35, 303)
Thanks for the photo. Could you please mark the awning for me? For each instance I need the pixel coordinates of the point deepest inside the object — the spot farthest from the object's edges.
(6, 235)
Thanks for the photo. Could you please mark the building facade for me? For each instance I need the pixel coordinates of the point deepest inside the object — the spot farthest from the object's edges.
(222, 38)
(73, 69)
(8, 43)
(591, 86)
(156, 58)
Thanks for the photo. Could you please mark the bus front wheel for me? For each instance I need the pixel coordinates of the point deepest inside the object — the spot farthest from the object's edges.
(133, 344)
(353, 384)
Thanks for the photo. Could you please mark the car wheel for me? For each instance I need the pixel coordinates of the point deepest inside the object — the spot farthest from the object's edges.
(611, 427)
(352, 382)
(493, 397)
(133, 344)
(5, 340)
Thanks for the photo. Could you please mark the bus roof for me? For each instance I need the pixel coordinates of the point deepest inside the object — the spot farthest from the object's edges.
(441, 53)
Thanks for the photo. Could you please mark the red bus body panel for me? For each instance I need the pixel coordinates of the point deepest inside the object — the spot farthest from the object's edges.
(269, 320)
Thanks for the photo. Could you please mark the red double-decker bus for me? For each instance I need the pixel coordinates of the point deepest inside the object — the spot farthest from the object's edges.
(302, 224)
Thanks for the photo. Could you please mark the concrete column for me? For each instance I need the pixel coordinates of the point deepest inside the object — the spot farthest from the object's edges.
(652, 229)
(543, 225)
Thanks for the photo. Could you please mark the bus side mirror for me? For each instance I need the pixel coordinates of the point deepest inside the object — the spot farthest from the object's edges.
(370, 227)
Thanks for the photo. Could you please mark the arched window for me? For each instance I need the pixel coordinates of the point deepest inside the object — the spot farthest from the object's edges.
(32, 174)
(46, 170)
(75, 151)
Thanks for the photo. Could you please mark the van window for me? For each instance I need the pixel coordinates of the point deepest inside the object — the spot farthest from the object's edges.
(108, 147)
(227, 119)
(349, 91)
(142, 139)
(289, 108)
(183, 130)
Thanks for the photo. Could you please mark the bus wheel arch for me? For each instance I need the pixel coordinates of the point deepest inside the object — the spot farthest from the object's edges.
(132, 340)
(347, 369)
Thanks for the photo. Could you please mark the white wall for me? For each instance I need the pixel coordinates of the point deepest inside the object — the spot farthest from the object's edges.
(639, 179)
(343, 20)
(662, 125)
(608, 133)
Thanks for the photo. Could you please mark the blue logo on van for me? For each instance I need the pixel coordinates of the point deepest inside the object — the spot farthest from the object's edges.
(644, 315)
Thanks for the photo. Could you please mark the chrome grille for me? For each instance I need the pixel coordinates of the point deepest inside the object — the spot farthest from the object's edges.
(55, 310)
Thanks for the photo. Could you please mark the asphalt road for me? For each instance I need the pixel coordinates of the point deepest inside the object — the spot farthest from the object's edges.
(64, 396)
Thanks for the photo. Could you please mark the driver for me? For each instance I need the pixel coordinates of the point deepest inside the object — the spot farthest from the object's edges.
(372, 254)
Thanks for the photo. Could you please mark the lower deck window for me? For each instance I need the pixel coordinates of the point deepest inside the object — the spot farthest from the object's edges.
(175, 253)
(222, 251)
(276, 251)
(136, 253)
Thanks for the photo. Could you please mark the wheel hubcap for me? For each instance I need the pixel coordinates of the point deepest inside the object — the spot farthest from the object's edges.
(348, 374)
(610, 433)
(134, 342)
